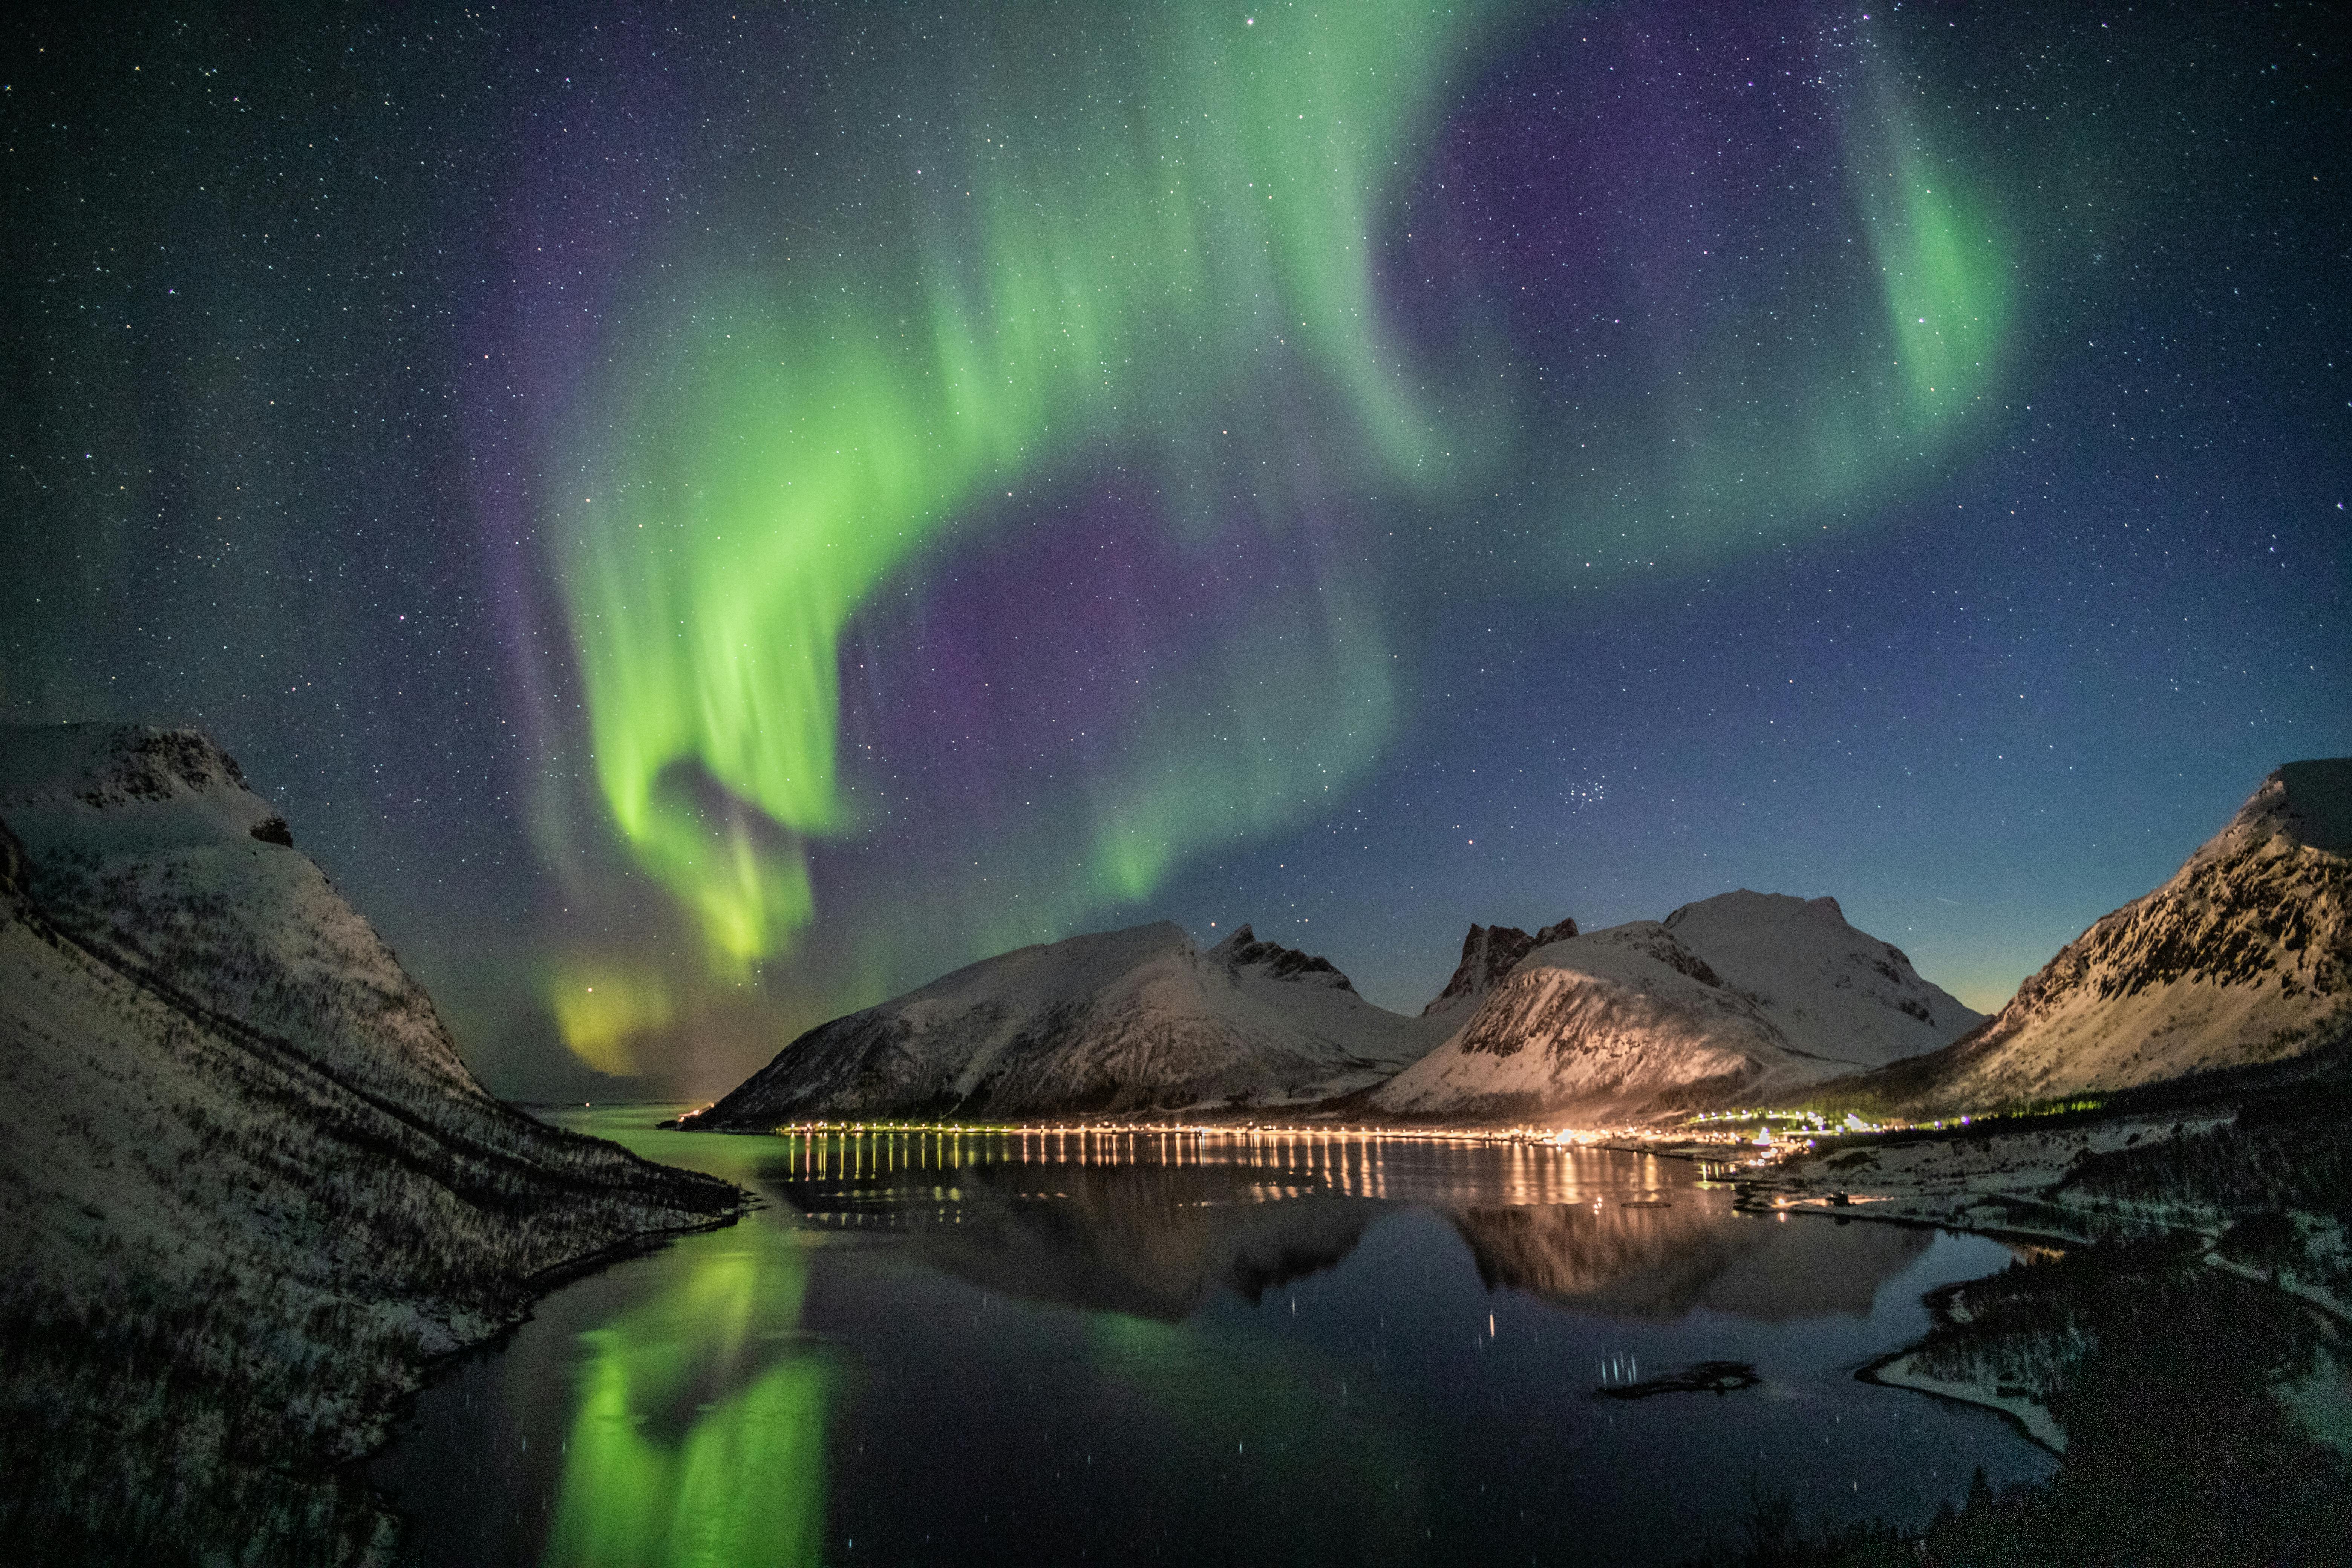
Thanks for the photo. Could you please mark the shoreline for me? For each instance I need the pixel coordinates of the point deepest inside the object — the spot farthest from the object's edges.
(2030, 1418)
(1892, 1369)
(393, 1417)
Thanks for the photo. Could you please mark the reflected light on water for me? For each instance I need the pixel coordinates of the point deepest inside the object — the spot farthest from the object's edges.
(666, 1468)
(1358, 1165)
(1268, 1345)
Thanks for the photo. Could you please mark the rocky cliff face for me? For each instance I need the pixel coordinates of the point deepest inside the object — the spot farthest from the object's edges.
(1488, 954)
(1742, 995)
(1129, 1020)
(2243, 957)
(247, 1189)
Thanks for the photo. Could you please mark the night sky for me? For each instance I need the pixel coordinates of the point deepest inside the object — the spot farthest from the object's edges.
(706, 518)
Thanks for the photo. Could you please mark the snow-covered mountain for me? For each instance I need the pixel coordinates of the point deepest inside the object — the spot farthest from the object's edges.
(2244, 956)
(1740, 995)
(1831, 990)
(1124, 1020)
(247, 1189)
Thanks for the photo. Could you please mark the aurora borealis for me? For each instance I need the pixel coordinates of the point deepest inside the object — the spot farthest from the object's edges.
(710, 517)
(777, 443)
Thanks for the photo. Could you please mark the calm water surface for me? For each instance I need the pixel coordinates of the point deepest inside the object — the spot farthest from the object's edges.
(1220, 1350)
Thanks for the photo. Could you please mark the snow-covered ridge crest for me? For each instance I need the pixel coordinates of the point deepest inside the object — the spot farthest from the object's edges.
(1741, 995)
(149, 845)
(1831, 989)
(2243, 956)
(1113, 1021)
(130, 784)
(243, 1161)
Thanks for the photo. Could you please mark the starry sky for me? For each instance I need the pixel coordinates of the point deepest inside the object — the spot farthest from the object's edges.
(705, 517)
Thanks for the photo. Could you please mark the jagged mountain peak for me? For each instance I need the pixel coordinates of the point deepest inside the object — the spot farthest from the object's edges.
(1558, 931)
(1243, 950)
(1488, 954)
(2243, 956)
(131, 785)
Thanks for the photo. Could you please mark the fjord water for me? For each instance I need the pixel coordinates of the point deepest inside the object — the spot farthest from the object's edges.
(1231, 1348)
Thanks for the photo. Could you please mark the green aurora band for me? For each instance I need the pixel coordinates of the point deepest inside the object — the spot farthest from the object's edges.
(742, 1483)
(1162, 256)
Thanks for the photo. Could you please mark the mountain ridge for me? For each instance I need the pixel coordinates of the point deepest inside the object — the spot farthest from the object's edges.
(228, 1119)
(1740, 995)
(2243, 956)
(1131, 1020)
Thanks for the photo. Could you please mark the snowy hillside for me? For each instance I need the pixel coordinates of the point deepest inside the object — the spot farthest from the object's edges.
(1125, 1020)
(1737, 997)
(1830, 990)
(2243, 956)
(247, 1189)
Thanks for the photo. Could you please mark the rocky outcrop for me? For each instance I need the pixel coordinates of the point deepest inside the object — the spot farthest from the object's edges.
(1123, 1021)
(1735, 998)
(247, 1189)
(1488, 954)
(1244, 951)
(2243, 957)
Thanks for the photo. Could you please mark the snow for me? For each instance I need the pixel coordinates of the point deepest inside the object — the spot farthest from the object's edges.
(2244, 955)
(2033, 1417)
(144, 844)
(1830, 990)
(1113, 1020)
(1606, 1022)
(248, 1188)
(1741, 995)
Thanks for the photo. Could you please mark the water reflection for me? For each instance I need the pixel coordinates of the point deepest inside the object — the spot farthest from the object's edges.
(1270, 1347)
(665, 1412)
(1286, 1163)
(1154, 1225)
(698, 1436)
(1662, 1263)
(1152, 1241)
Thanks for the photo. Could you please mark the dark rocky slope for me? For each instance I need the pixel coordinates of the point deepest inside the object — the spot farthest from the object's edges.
(247, 1190)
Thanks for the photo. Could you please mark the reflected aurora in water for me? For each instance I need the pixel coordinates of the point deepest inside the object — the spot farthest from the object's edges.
(983, 1347)
(700, 1437)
